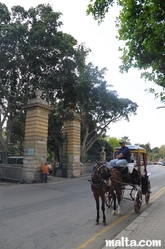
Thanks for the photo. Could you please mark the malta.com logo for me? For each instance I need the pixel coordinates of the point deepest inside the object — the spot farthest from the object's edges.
(124, 242)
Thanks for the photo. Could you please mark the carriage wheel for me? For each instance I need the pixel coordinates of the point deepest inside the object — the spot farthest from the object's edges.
(147, 195)
(138, 201)
(108, 199)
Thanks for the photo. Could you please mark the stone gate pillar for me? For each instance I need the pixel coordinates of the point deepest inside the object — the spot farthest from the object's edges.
(36, 132)
(71, 145)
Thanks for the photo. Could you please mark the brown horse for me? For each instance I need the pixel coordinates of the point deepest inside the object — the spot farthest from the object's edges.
(99, 186)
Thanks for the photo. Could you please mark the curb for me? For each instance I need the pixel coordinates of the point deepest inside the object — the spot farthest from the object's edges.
(51, 180)
(131, 227)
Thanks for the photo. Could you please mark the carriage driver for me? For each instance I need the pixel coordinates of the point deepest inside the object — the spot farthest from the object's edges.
(122, 157)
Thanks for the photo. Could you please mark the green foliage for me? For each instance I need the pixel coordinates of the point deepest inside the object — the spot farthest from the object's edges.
(113, 142)
(147, 147)
(16, 144)
(162, 151)
(155, 150)
(99, 8)
(100, 106)
(94, 152)
(35, 54)
(157, 153)
(153, 156)
(140, 25)
(126, 139)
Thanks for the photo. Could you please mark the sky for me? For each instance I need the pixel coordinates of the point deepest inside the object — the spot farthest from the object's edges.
(148, 125)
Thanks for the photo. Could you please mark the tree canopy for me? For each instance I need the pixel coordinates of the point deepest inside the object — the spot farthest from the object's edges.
(162, 151)
(35, 53)
(113, 142)
(140, 25)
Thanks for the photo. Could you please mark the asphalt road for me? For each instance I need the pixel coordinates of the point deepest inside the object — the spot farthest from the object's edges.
(61, 214)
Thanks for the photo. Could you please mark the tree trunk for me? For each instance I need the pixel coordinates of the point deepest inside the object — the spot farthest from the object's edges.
(4, 156)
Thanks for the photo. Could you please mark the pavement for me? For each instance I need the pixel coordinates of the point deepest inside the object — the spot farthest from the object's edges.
(148, 226)
(51, 179)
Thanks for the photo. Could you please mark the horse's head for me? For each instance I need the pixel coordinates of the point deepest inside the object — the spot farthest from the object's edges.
(101, 170)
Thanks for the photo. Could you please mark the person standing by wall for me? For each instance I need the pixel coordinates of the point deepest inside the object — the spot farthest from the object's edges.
(45, 170)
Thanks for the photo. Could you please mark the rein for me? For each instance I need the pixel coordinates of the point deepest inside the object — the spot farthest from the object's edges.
(118, 181)
(97, 185)
(115, 178)
(101, 183)
(103, 165)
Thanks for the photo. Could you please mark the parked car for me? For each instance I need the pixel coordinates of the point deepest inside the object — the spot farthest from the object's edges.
(163, 164)
(158, 163)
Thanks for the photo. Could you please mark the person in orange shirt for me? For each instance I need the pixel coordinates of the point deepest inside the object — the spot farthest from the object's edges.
(45, 170)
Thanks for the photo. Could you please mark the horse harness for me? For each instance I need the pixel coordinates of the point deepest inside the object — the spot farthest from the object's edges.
(101, 182)
(114, 174)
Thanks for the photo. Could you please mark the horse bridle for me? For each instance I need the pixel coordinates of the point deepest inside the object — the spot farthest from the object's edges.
(101, 166)
(101, 183)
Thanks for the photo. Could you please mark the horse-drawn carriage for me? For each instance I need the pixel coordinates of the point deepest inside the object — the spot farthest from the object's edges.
(134, 177)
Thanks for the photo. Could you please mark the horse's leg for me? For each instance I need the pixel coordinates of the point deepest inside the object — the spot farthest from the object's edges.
(118, 209)
(97, 207)
(119, 194)
(103, 207)
(114, 202)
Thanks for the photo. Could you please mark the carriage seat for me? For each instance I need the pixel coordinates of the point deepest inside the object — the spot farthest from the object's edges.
(128, 169)
(122, 169)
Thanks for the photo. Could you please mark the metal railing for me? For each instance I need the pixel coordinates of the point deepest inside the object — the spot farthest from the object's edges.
(12, 172)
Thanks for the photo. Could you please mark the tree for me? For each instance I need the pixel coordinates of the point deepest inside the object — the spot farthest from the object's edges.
(162, 151)
(153, 156)
(147, 147)
(16, 143)
(34, 54)
(126, 139)
(113, 142)
(100, 107)
(97, 105)
(94, 152)
(156, 150)
(99, 8)
(141, 26)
